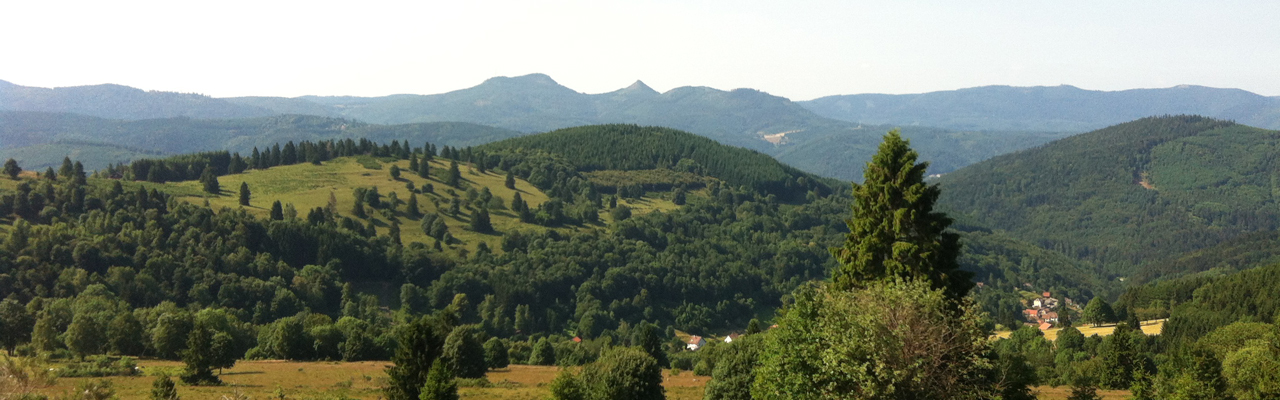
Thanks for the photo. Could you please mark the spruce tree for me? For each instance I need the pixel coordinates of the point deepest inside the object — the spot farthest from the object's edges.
(480, 221)
(244, 193)
(440, 384)
(1064, 313)
(395, 172)
(199, 357)
(454, 178)
(511, 180)
(277, 211)
(210, 180)
(65, 171)
(418, 352)
(413, 162)
(50, 175)
(163, 388)
(424, 170)
(894, 231)
(411, 207)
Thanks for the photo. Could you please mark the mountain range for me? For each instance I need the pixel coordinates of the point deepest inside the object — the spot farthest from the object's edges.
(830, 136)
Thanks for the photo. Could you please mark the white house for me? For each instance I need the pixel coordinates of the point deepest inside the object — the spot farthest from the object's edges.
(731, 337)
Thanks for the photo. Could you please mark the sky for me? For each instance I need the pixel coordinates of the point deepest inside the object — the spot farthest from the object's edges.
(796, 49)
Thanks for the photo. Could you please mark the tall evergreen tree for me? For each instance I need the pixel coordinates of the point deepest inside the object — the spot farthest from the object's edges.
(244, 193)
(277, 211)
(65, 170)
(511, 180)
(894, 231)
(440, 384)
(480, 221)
(411, 207)
(418, 351)
(454, 178)
(210, 180)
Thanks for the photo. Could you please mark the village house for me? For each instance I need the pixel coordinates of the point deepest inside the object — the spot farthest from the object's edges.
(695, 342)
(731, 337)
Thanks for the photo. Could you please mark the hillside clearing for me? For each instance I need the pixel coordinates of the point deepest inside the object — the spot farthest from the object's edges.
(308, 186)
(1148, 327)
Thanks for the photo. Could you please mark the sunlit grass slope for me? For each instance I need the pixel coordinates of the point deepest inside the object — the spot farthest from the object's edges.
(308, 186)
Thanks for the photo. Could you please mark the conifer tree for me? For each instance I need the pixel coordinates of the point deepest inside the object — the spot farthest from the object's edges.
(244, 193)
(277, 211)
(440, 384)
(480, 221)
(413, 162)
(210, 181)
(65, 170)
(78, 173)
(511, 181)
(395, 172)
(163, 388)
(894, 231)
(424, 170)
(1064, 313)
(453, 179)
(12, 169)
(411, 207)
(418, 353)
(50, 175)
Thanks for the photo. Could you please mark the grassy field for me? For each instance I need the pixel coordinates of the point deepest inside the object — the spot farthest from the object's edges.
(309, 186)
(343, 380)
(362, 380)
(1148, 327)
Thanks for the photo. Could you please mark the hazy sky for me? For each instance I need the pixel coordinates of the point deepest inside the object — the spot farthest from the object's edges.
(796, 49)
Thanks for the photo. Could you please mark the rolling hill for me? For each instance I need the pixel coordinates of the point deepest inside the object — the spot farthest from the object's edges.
(1047, 108)
(1129, 195)
(741, 117)
(41, 139)
(121, 102)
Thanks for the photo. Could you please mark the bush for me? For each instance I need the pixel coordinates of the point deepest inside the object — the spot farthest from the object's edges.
(99, 366)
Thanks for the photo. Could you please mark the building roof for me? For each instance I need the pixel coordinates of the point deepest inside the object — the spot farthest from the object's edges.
(695, 339)
(1045, 326)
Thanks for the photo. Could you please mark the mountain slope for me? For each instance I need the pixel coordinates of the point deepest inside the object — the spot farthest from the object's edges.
(1047, 108)
(77, 133)
(1130, 194)
(121, 102)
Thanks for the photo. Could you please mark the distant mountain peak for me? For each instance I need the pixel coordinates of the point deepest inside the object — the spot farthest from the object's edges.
(639, 87)
(535, 78)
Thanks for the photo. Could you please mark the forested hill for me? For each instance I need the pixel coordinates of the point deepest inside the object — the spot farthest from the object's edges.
(38, 139)
(122, 102)
(1047, 108)
(536, 103)
(632, 148)
(1130, 194)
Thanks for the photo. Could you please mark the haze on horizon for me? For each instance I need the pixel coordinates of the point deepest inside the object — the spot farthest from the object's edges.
(800, 50)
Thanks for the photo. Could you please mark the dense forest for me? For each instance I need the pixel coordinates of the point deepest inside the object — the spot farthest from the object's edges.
(1128, 196)
(125, 261)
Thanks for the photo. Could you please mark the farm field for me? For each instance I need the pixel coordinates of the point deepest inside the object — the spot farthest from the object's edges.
(362, 380)
(345, 380)
(1148, 327)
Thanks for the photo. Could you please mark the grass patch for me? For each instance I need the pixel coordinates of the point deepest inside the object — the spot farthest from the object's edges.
(353, 380)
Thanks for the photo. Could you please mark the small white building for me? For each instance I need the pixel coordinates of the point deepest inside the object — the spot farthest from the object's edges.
(695, 342)
(731, 337)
